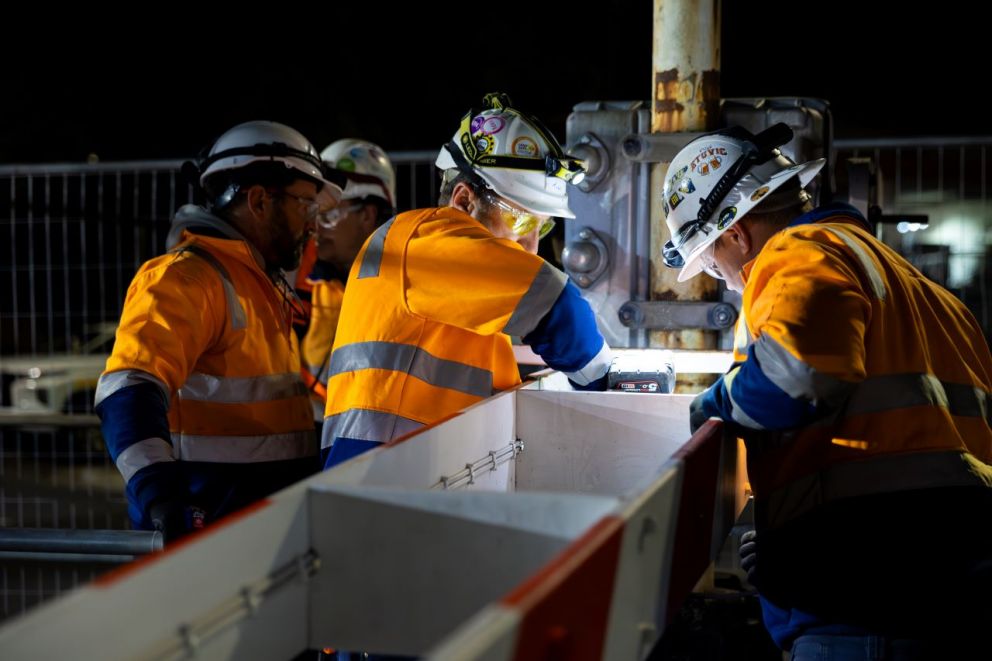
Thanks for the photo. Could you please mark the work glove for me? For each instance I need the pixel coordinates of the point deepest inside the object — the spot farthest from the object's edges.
(749, 555)
(175, 519)
(697, 414)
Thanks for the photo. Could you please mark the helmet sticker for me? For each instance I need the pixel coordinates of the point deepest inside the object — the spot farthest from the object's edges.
(476, 124)
(686, 186)
(675, 199)
(524, 146)
(758, 194)
(726, 216)
(484, 144)
(346, 164)
(677, 176)
(709, 159)
(492, 125)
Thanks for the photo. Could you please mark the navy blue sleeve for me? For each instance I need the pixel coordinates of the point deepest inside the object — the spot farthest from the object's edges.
(568, 340)
(746, 396)
(133, 414)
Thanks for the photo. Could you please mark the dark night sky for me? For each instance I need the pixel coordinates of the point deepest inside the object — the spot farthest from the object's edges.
(346, 71)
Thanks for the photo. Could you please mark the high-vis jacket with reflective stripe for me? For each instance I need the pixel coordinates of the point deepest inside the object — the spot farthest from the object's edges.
(432, 299)
(861, 375)
(206, 334)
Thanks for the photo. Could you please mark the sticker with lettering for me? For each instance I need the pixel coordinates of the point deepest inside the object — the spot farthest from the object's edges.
(492, 125)
(726, 217)
(708, 160)
(524, 146)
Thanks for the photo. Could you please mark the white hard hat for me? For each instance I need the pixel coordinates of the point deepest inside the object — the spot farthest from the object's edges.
(718, 178)
(514, 155)
(367, 160)
(262, 141)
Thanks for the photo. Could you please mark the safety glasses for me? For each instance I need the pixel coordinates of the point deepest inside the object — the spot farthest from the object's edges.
(310, 207)
(520, 221)
(329, 219)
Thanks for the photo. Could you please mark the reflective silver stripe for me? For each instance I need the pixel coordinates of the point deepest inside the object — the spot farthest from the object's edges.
(544, 290)
(414, 361)
(366, 425)
(238, 318)
(742, 335)
(111, 382)
(372, 259)
(245, 449)
(143, 453)
(595, 368)
(242, 390)
(875, 475)
(737, 413)
(895, 391)
(798, 379)
(874, 277)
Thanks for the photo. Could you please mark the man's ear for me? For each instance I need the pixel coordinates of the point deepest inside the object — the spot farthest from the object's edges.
(740, 237)
(463, 198)
(257, 201)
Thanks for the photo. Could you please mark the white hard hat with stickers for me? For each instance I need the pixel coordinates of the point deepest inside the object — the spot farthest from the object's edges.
(514, 155)
(269, 142)
(717, 179)
(366, 168)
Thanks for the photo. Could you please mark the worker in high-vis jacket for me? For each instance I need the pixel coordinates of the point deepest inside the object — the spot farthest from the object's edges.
(368, 201)
(862, 391)
(435, 294)
(202, 403)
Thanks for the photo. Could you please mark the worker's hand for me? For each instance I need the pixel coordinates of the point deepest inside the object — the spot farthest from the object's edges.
(697, 413)
(169, 518)
(175, 519)
(749, 555)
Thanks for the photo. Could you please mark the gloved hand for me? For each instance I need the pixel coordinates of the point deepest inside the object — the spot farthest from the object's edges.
(749, 555)
(175, 519)
(697, 413)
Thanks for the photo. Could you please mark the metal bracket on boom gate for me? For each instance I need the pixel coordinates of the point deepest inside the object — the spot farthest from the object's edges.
(677, 315)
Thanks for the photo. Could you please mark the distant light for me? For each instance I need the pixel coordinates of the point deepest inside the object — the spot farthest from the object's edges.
(904, 227)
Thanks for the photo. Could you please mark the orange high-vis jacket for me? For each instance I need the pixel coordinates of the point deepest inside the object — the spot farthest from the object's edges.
(859, 374)
(432, 300)
(206, 324)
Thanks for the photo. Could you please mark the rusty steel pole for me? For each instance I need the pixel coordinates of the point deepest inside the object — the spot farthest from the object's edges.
(685, 98)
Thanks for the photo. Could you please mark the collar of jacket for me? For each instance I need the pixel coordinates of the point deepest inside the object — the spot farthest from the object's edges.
(191, 217)
(835, 212)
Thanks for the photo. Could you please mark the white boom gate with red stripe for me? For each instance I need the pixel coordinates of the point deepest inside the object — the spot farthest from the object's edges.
(540, 523)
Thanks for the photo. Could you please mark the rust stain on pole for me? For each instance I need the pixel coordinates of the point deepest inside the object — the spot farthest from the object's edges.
(686, 104)
(685, 98)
